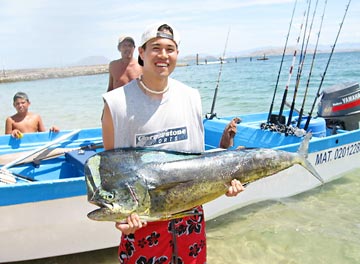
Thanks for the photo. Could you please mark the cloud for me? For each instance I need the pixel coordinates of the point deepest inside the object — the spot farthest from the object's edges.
(50, 32)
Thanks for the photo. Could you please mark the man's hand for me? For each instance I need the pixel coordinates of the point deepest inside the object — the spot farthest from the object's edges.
(235, 188)
(16, 133)
(54, 129)
(132, 224)
(227, 139)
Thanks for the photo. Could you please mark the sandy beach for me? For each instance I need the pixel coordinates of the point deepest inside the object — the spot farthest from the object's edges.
(48, 73)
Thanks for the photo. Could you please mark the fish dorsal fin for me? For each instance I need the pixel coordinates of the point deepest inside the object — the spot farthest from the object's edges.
(304, 146)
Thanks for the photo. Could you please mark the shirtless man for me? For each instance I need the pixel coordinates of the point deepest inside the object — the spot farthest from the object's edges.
(24, 121)
(126, 68)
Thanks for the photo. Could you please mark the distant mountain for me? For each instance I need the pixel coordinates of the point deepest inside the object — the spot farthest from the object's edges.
(257, 52)
(272, 51)
(92, 60)
(341, 47)
(348, 46)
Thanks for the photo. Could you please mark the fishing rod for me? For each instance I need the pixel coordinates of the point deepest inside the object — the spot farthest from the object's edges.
(212, 114)
(301, 61)
(326, 67)
(281, 63)
(291, 69)
(311, 66)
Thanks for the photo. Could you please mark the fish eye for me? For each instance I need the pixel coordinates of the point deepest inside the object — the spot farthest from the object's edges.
(110, 196)
(107, 195)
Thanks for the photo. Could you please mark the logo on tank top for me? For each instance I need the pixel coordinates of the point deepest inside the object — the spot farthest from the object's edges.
(162, 137)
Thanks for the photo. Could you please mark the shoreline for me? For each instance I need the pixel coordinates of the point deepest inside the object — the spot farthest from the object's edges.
(21, 75)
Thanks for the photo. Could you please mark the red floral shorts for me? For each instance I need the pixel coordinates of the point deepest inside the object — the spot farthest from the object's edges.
(179, 241)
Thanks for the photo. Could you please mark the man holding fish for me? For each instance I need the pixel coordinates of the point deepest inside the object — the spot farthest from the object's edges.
(160, 112)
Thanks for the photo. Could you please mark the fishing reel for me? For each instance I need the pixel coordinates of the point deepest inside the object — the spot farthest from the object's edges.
(282, 128)
(210, 116)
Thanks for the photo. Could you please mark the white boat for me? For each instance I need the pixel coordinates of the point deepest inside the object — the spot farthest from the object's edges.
(263, 58)
(46, 216)
(334, 149)
(44, 211)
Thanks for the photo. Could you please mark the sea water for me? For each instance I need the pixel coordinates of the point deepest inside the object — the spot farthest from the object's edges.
(319, 226)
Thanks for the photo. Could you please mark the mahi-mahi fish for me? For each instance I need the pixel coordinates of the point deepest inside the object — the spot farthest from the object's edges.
(159, 184)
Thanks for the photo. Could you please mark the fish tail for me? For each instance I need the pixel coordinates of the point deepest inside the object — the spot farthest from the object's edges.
(307, 165)
(303, 154)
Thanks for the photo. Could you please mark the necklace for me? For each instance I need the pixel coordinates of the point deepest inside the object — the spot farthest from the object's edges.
(152, 91)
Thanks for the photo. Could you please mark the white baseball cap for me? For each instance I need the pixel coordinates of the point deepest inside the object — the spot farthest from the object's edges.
(152, 32)
(126, 37)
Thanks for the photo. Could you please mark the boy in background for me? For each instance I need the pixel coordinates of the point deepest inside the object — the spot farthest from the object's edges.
(24, 121)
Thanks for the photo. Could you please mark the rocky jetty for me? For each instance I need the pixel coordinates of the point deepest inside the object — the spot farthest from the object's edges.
(48, 73)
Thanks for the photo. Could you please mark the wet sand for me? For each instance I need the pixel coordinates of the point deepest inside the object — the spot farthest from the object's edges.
(48, 73)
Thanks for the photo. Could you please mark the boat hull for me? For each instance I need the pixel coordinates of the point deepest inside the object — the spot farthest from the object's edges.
(287, 183)
(52, 228)
(47, 217)
(332, 156)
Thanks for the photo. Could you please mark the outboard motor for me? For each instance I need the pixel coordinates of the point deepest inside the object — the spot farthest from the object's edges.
(340, 106)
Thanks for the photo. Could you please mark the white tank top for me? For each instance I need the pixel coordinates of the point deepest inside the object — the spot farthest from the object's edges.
(173, 122)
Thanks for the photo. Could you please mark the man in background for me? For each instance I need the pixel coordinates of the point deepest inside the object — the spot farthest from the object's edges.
(126, 68)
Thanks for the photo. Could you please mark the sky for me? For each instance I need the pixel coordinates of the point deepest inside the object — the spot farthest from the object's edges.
(47, 33)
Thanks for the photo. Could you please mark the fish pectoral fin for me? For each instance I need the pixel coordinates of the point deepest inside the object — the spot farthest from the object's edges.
(170, 185)
(245, 184)
(185, 213)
